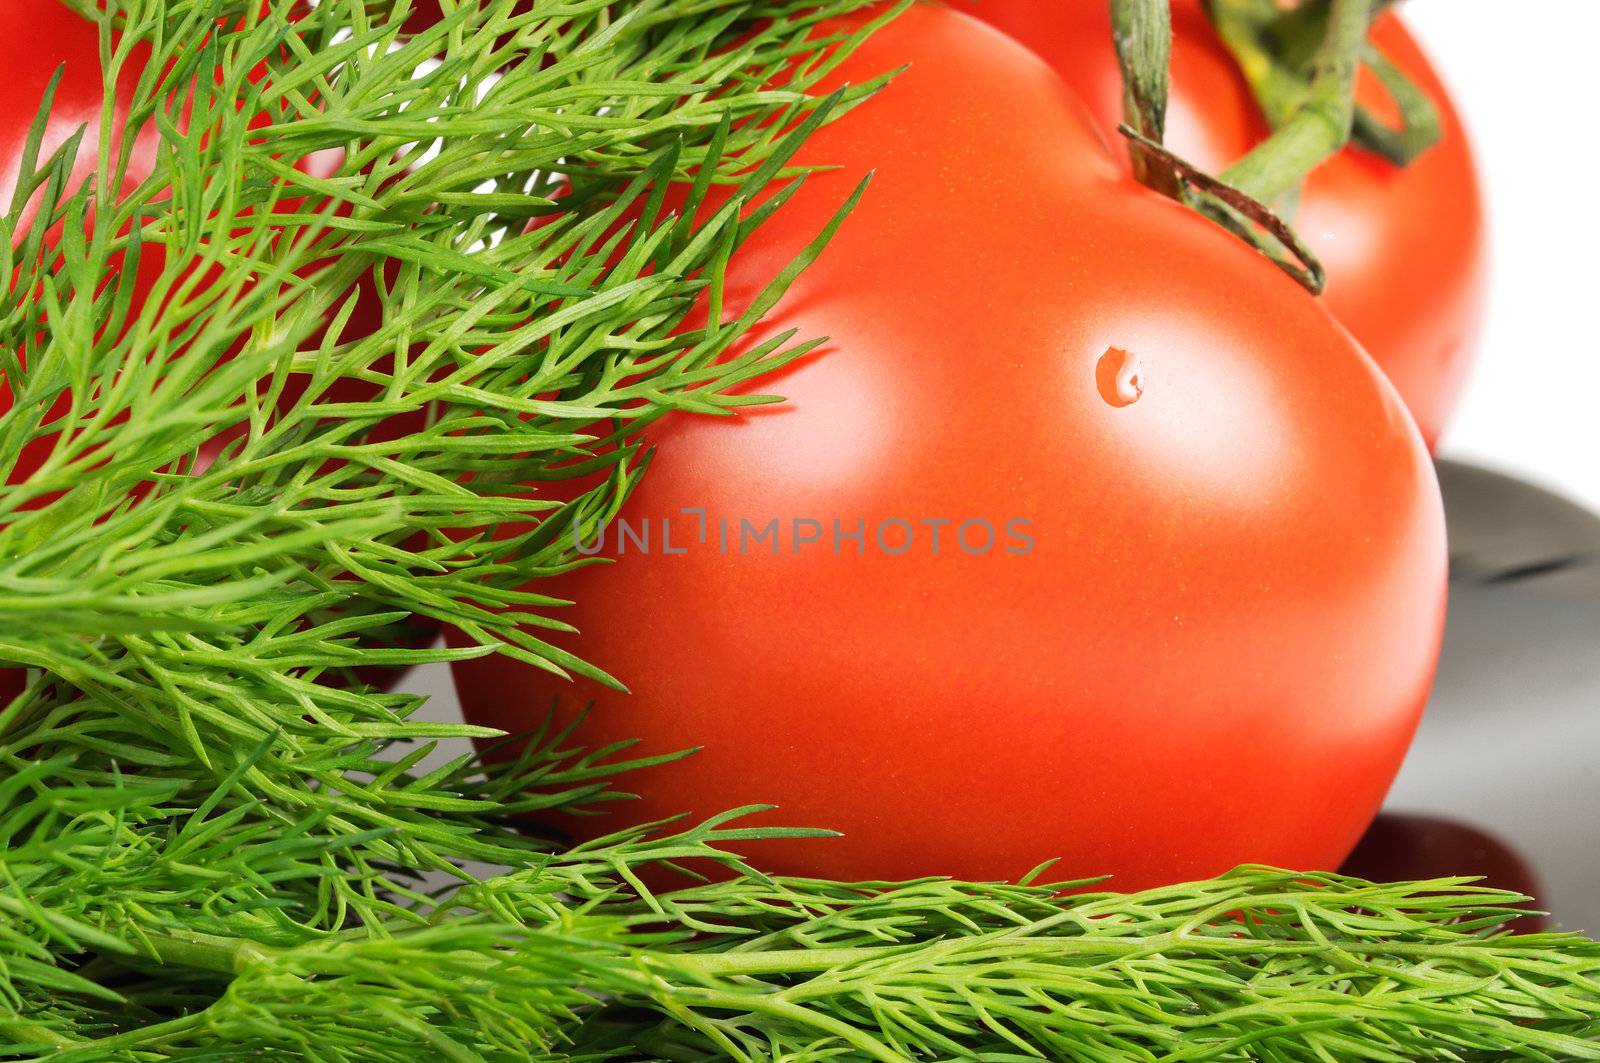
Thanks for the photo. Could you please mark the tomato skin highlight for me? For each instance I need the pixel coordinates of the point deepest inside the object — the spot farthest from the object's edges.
(1405, 248)
(1219, 646)
(54, 36)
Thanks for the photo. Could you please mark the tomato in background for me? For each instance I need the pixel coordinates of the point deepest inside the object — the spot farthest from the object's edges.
(59, 38)
(1218, 642)
(49, 35)
(52, 36)
(1404, 248)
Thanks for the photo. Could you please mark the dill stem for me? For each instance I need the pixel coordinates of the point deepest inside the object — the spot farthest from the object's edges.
(19, 1032)
(154, 1034)
(759, 963)
(208, 952)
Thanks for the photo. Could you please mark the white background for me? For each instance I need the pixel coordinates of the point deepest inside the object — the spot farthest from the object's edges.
(1524, 76)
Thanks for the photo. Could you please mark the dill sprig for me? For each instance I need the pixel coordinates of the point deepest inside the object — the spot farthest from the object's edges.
(214, 846)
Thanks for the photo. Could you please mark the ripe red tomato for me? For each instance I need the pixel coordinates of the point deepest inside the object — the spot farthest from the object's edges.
(1404, 248)
(1203, 619)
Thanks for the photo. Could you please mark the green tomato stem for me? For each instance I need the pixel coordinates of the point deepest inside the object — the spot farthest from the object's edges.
(1320, 126)
(1270, 47)
(1420, 123)
(1317, 127)
(1273, 47)
(1142, 33)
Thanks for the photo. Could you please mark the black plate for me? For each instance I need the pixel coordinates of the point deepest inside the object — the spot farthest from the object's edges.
(1511, 740)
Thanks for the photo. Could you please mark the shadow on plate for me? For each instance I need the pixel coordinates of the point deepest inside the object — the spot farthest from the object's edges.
(1400, 847)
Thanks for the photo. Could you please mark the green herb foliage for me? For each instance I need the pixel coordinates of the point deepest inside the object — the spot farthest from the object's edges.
(215, 846)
